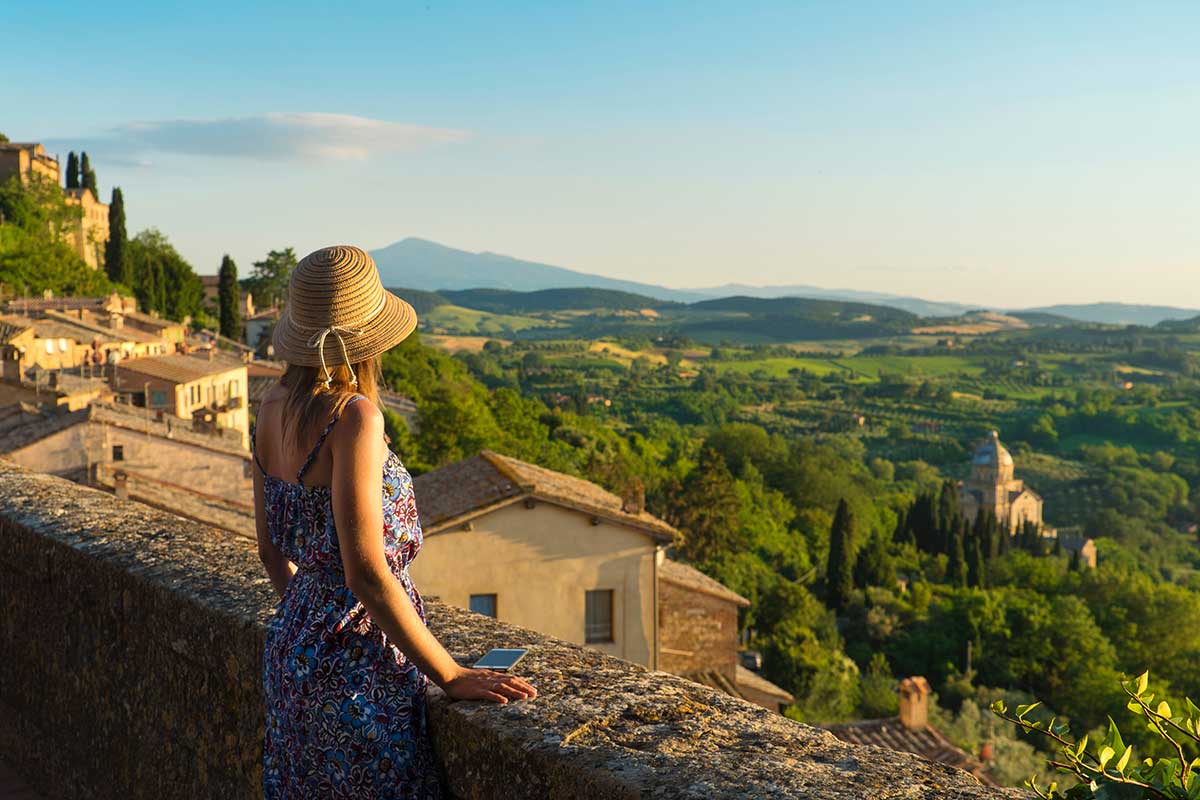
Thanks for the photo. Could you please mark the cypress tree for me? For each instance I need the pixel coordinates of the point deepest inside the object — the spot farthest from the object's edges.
(874, 565)
(956, 570)
(839, 569)
(116, 252)
(72, 170)
(976, 569)
(228, 296)
(1075, 564)
(948, 515)
(1004, 540)
(87, 176)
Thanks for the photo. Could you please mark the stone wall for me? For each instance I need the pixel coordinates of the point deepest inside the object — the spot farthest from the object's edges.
(131, 646)
(697, 631)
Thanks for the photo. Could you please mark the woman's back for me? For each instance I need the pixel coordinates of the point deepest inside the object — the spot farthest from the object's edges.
(340, 696)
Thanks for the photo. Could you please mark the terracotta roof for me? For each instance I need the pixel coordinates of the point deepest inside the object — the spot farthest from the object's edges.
(486, 479)
(180, 368)
(714, 680)
(151, 320)
(752, 680)
(747, 678)
(927, 742)
(691, 578)
(88, 330)
(12, 327)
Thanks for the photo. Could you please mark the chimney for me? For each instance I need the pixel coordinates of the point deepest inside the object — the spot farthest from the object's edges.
(914, 703)
(120, 484)
(985, 751)
(634, 499)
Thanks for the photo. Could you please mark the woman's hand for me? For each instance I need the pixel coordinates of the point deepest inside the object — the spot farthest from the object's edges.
(485, 684)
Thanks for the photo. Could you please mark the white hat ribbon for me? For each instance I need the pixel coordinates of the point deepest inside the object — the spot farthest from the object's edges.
(318, 341)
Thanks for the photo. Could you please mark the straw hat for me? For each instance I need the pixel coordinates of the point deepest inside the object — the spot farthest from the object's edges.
(338, 312)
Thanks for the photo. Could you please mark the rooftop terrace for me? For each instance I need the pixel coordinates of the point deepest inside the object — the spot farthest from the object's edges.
(132, 643)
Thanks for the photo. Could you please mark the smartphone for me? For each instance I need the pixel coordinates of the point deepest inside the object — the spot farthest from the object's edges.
(501, 659)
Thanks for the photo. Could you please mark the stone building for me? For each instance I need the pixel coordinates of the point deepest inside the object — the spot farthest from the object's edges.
(68, 341)
(88, 235)
(25, 159)
(138, 454)
(563, 556)
(992, 486)
(208, 388)
(698, 636)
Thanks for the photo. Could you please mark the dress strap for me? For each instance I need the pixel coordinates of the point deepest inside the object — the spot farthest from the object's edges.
(254, 450)
(321, 440)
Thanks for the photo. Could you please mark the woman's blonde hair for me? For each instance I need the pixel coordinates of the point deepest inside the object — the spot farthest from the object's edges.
(311, 402)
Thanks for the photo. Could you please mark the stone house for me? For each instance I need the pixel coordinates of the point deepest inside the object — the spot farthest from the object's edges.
(138, 454)
(68, 341)
(698, 635)
(209, 388)
(563, 556)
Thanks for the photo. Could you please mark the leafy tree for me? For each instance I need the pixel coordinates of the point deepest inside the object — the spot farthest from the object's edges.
(163, 281)
(33, 255)
(72, 177)
(116, 251)
(839, 568)
(269, 280)
(874, 565)
(87, 176)
(707, 510)
(879, 697)
(228, 296)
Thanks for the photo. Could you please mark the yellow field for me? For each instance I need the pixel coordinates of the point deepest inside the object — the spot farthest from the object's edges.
(459, 344)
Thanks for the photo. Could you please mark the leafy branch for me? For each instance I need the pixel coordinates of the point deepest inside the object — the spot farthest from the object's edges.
(1108, 771)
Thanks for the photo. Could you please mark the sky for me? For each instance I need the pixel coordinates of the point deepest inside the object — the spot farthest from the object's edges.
(1003, 154)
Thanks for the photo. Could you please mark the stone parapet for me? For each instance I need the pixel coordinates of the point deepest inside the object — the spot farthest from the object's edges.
(131, 645)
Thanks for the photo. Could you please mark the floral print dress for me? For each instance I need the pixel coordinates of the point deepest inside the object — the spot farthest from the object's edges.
(345, 708)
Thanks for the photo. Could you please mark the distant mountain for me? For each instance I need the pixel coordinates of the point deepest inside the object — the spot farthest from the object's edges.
(421, 264)
(506, 301)
(429, 266)
(915, 305)
(1113, 313)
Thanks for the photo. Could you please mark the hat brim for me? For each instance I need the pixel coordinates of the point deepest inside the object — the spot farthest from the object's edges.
(388, 328)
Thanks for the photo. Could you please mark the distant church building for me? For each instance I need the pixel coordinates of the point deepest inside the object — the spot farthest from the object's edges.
(993, 487)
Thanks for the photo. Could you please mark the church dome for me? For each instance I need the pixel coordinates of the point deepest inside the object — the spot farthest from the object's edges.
(991, 453)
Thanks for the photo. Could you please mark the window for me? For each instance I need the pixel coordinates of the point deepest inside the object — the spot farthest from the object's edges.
(598, 616)
(484, 604)
(158, 398)
(118, 452)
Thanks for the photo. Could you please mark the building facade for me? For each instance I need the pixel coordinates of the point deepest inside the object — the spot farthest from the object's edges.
(563, 556)
(208, 389)
(87, 235)
(992, 486)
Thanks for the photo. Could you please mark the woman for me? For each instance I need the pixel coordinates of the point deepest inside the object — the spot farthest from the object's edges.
(347, 651)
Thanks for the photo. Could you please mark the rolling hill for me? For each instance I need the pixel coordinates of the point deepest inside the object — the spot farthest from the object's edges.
(1115, 313)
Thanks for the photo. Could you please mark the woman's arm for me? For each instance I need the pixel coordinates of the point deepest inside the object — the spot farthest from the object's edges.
(358, 450)
(279, 569)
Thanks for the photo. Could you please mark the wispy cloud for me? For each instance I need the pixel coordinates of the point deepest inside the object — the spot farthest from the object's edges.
(277, 136)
